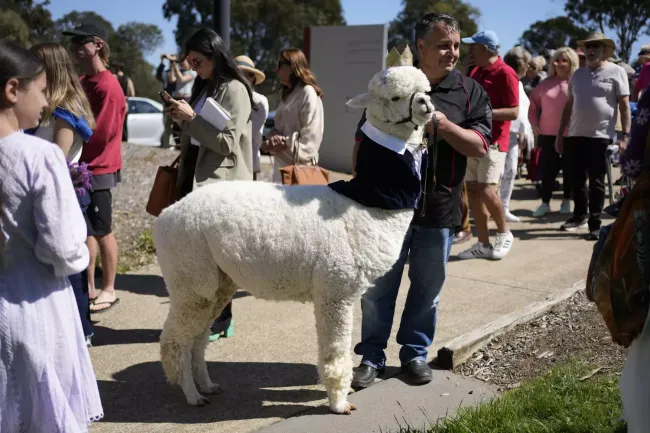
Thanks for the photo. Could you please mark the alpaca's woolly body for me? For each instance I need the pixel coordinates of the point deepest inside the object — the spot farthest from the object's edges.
(271, 245)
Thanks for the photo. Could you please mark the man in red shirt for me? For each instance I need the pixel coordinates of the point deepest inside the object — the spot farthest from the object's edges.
(102, 153)
(483, 175)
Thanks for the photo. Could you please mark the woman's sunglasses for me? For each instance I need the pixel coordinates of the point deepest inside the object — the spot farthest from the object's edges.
(281, 63)
(560, 61)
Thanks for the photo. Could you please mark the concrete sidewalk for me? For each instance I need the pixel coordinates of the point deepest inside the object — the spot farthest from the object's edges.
(267, 370)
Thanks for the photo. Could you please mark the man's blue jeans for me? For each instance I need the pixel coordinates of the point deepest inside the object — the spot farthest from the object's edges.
(428, 251)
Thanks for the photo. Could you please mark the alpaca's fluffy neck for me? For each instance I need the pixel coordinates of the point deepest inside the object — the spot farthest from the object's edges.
(404, 131)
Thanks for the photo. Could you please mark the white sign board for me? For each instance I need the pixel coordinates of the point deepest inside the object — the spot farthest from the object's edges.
(344, 59)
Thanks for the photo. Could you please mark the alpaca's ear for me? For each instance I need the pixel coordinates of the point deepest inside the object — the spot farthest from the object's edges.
(360, 101)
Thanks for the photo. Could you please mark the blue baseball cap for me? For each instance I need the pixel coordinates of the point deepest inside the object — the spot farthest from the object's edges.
(484, 37)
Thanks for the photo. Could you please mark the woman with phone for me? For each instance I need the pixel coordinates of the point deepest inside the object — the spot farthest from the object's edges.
(208, 154)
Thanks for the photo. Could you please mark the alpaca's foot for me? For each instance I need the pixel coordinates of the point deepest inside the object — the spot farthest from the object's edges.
(345, 409)
(210, 388)
(197, 400)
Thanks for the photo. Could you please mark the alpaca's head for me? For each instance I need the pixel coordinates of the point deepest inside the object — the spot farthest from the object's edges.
(397, 103)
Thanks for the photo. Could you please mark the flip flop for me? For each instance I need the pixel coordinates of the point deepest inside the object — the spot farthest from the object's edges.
(103, 310)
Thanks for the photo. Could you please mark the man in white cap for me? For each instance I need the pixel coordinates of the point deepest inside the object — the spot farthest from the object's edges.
(596, 94)
(260, 111)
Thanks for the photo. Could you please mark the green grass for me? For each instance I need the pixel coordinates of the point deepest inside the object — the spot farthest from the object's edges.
(558, 402)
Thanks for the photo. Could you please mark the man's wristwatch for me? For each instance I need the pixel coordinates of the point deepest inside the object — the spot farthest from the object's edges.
(625, 134)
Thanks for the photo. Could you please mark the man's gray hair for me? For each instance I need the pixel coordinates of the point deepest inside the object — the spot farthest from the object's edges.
(430, 20)
(518, 59)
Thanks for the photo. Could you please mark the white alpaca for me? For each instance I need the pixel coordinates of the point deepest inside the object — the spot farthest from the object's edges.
(300, 243)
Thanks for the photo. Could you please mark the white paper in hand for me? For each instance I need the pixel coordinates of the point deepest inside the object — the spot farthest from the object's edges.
(215, 114)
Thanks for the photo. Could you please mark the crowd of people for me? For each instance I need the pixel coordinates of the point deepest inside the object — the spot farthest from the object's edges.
(487, 113)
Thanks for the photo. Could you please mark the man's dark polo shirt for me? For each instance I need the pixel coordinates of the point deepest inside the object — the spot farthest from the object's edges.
(466, 104)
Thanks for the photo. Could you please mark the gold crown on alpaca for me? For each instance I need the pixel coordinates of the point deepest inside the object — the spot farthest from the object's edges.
(394, 58)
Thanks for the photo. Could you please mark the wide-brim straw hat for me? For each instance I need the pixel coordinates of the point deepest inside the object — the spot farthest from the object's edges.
(610, 45)
(247, 65)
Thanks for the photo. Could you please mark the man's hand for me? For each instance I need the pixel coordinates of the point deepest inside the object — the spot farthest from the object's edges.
(622, 143)
(442, 122)
(536, 130)
(559, 144)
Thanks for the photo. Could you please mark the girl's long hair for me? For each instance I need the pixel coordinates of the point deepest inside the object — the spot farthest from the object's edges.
(210, 44)
(17, 62)
(300, 71)
(63, 87)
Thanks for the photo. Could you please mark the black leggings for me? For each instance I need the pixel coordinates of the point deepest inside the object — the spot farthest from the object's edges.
(551, 162)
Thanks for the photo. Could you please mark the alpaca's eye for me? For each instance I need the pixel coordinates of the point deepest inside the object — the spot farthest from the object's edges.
(395, 98)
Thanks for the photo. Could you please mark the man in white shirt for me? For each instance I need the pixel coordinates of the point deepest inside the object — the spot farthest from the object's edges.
(596, 94)
(260, 111)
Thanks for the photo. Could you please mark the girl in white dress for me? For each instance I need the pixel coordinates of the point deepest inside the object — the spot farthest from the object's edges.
(47, 381)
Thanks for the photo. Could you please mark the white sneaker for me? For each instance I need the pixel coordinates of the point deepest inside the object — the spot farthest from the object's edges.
(542, 210)
(477, 251)
(566, 207)
(511, 218)
(502, 245)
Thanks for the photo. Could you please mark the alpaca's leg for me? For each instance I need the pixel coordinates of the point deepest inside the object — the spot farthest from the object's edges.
(199, 367)
(226, 291)
(188, 321)
(334, 330)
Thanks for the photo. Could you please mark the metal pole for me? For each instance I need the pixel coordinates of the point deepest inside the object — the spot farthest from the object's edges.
(222, 20)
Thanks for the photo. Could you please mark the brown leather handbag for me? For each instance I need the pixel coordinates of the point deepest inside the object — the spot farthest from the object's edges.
(164, 191)
(303, 174)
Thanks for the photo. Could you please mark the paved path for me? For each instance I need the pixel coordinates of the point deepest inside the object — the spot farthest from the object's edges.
(268, 369)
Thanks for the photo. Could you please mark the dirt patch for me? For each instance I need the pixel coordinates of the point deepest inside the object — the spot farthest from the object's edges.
(573, 330)
(131, 222)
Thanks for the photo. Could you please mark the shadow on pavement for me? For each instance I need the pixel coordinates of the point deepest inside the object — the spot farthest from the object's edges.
(108, 337)
(153, 285)
(252, 390)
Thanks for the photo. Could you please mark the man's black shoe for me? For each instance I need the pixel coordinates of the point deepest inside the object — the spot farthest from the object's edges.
(364, 376)
(593, 235)
(418, 372)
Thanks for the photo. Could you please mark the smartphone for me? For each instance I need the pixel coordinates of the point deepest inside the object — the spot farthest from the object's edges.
(164, 96)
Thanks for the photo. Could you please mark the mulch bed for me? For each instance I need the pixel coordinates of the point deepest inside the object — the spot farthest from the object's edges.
(572, 331)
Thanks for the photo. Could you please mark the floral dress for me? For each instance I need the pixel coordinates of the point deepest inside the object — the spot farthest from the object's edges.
(632, 158)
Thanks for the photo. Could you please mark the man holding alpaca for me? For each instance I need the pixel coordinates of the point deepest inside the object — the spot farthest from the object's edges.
(464, 114)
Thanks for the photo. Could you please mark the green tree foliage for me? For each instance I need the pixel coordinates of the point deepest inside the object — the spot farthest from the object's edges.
(12, 26)
(402, 28)
(34, 14)
(553, 33)
(259, 28)
(629, 19)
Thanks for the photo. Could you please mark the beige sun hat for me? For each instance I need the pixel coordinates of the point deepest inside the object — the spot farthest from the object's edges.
(610, 46)
(247, 65)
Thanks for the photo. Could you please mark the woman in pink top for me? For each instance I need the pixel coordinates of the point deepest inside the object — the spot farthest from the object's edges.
(546, 103)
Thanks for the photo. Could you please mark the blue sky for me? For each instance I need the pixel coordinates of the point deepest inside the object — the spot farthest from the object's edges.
(502, 16)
